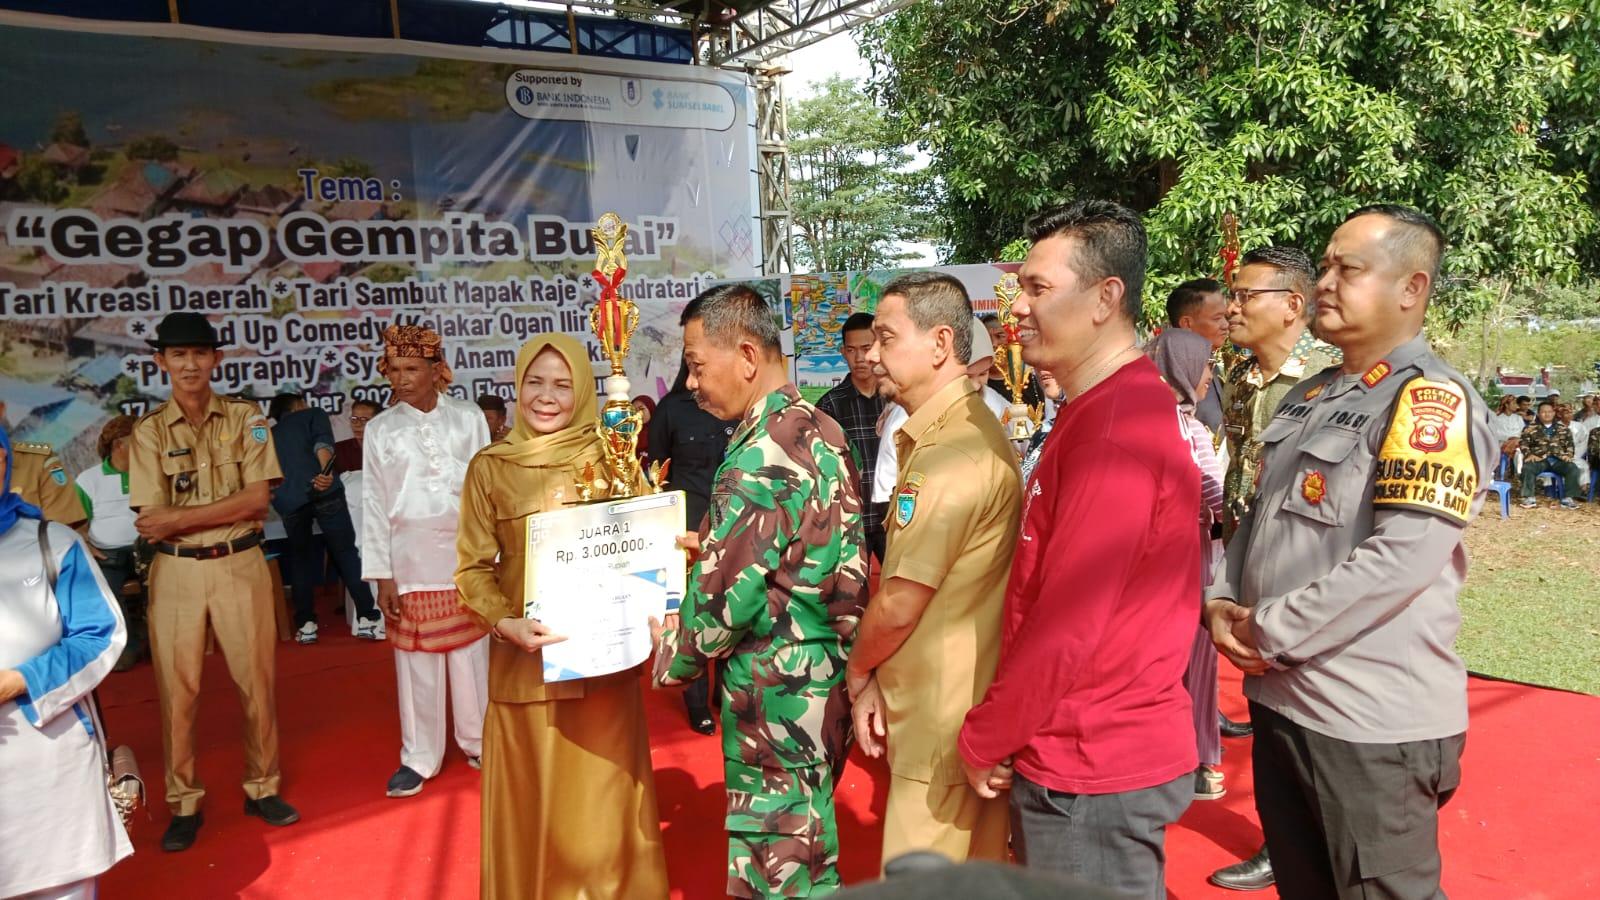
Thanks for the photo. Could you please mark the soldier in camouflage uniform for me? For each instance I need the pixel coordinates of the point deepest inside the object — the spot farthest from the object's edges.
(1269, 311)
(1547, 447)
(774, 597)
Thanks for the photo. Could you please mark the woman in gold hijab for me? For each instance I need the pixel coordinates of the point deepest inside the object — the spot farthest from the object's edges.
(569, 799)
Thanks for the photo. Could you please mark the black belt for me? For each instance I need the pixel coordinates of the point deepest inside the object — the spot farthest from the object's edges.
(211, 551)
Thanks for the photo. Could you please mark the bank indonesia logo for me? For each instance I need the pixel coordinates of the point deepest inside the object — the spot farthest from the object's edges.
(525, 95)
(657, 95)
(631, 93)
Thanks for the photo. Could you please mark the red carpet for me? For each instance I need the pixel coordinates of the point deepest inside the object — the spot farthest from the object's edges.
(1522, 826)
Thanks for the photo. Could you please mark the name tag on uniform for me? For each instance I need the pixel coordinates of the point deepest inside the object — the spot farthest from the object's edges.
(181, 451)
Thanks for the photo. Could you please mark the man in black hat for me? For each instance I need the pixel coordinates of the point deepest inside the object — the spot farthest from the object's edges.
(202, 471)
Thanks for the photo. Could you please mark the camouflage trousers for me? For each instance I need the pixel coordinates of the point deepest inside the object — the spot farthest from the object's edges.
(782, 837)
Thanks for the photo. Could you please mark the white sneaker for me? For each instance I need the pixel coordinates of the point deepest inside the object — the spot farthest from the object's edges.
(368, 630)
(307, 634)
(1568, 503)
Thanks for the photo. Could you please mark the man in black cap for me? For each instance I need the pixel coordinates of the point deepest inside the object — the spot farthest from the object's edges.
(202, 471)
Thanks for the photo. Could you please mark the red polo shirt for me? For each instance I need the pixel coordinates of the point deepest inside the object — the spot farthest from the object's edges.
(1103, 601)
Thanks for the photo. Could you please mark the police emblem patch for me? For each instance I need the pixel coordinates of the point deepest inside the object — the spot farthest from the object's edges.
(1433, 406)
(1426, 459)
(1315, 390)
(59, 476)
(258, 433)
(1314, 487)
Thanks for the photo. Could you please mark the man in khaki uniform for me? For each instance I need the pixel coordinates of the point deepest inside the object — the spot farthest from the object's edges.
(929, 642)
(42, 481)
(202, 467)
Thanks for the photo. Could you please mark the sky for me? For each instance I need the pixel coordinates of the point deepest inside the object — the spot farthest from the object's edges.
(840, 54)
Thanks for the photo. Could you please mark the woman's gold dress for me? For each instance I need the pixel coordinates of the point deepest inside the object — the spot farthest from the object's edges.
(569, 798)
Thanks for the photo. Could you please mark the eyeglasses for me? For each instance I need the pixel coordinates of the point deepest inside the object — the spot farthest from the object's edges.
(1243, 296)
(360, 418)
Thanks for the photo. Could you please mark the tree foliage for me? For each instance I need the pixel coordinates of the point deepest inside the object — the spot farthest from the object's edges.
(69, 129)
(1289, 113)
(38, 182)
(153, 147)
(851, 194)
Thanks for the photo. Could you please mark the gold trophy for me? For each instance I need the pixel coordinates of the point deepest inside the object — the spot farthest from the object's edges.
(613, 320)
(1020, 421)
(1230, 353)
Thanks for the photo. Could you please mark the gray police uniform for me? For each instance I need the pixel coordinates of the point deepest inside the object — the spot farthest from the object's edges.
(1351, 558)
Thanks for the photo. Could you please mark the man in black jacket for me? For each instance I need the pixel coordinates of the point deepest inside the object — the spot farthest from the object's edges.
(311, 492)
(693, 441)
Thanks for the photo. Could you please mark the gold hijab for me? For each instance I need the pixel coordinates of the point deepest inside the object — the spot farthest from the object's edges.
(526, 447)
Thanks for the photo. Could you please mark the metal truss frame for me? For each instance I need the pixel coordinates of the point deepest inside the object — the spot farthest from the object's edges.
(781, 26)
(772, 172)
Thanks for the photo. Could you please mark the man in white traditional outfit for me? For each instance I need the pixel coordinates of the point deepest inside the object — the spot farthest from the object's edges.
(415, 457)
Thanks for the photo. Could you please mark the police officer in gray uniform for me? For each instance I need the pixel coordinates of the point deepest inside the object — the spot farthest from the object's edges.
(1338, 595)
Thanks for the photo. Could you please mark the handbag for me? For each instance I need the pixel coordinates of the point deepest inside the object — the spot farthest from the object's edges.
(122, 769)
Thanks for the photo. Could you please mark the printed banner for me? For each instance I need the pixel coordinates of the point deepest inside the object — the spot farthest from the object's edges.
(817, 305)
(305, 193)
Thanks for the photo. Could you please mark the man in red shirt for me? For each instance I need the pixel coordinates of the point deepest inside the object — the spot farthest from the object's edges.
(1088, 706)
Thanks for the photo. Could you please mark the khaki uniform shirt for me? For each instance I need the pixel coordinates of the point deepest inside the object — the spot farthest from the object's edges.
(492, 558)
(1351, 552)
(173, 463)
(37, 475)
(952, 526)
(1248, 403)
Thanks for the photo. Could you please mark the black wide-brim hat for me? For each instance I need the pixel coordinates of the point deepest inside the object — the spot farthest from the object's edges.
(185, 329)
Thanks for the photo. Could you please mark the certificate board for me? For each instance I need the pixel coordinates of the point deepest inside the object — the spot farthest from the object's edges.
(597, 573)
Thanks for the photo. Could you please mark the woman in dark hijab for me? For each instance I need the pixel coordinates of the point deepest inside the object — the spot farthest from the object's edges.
(1184, 359)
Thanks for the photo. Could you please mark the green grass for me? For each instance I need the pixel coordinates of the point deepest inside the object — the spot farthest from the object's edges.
(1531, 607)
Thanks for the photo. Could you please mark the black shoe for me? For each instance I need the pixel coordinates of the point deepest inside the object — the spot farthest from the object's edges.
(405, 782)
(272, 810)
(182, 832)
(1232, 729)
(1254, 874)
(700, 721)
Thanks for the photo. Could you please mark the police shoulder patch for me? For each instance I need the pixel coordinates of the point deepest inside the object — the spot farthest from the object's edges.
(1426, 460)
(1377, 373)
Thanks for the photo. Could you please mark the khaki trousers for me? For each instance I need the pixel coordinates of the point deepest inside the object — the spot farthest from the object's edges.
(951, 820)
(234, 594)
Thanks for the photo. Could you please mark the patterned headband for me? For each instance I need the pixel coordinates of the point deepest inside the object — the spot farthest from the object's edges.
(416, 342)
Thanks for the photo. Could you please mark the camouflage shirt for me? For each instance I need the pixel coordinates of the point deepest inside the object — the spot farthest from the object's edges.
(779, 587)
(1538, 443)
(1248, 403)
